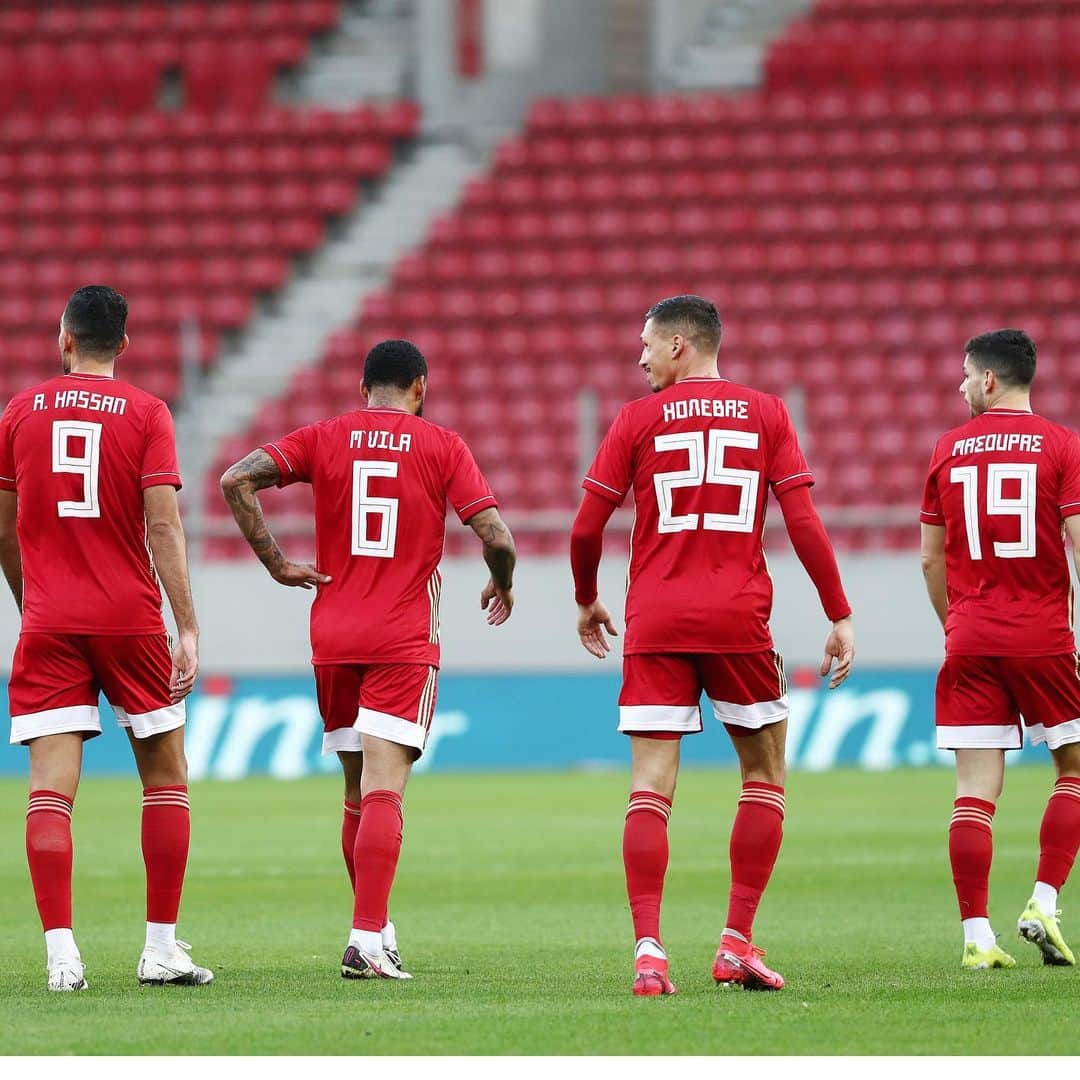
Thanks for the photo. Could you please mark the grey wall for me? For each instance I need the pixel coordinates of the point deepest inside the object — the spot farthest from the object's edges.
(568, 58)
(252, 625)
(675, 23)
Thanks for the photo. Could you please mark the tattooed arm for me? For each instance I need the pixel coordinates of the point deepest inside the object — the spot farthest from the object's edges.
(500, 556)
(239, 484)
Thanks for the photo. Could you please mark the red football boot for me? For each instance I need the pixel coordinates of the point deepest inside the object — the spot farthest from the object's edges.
(651, 977)
(739, 963)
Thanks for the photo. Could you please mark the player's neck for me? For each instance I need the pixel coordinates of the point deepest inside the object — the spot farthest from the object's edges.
(93, 367)
(1018, 401)
(704, 370)
(388, 401)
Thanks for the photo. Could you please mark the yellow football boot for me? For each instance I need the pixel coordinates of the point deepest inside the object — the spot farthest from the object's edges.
(1043, 931)
(975, 958)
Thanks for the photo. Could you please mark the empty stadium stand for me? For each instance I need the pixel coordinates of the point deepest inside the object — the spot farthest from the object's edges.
(191, 211)
(908, 175)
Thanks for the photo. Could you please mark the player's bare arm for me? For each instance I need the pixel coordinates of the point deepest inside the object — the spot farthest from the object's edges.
(165, 537)
(815, 552)
(239, 485)
(497, 597)
(586, 547)
(933, 566)
(10, 558)
(1072, 530)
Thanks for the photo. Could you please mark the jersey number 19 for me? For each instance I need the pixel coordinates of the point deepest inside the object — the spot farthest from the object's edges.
(1021, 506)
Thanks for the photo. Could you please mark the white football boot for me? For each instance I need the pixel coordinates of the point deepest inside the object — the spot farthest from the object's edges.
(172, 968)
(66, 973)
(357, 964)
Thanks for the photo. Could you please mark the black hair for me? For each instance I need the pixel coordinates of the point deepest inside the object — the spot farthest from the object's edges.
(692, 316)
(96, 317)
(394, 363)
(1009, 354)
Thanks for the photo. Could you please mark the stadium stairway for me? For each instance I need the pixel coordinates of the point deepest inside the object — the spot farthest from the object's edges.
(366, 59)
(729, 48)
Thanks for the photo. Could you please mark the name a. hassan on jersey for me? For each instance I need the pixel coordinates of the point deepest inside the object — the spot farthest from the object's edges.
(83, 399)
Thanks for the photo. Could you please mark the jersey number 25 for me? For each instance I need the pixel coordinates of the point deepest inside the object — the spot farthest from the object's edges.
(707, 468)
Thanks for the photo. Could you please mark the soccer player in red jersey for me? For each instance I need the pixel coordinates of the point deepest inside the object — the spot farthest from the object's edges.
(382, 477)
(700, 456)
(89, 526)
(1000, 491)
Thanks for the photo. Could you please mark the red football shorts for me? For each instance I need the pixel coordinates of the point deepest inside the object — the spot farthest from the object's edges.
(661, 692)
(56, 680)
(392, 701)
(982, 701)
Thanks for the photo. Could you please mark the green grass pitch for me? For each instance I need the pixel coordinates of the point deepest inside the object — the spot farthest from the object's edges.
(512, 917)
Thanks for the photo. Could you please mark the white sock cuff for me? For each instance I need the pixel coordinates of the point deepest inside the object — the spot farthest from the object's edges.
(648, 946)
(161, 936)
(367, 941)
(60, 943)
(1046, 897)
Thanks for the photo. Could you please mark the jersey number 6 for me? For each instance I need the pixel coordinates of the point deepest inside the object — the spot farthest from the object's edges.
(363, 504)
(707, 468)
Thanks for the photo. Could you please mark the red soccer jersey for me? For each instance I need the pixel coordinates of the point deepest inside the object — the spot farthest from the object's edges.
(1001, 485)
(381, 478)
(79, 450)
(699, 456)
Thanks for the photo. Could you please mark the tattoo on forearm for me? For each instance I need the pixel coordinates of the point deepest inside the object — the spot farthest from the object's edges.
(239, 485)
(498, 543)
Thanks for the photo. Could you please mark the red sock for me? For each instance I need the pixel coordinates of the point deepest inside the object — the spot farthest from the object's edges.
(48, 851)
(971, 850)
(1059, 836)
(375, 855)
(645, 857)
(755, 843)
(166, 835)
(349, 824)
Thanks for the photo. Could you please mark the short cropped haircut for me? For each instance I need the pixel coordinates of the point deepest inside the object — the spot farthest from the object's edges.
(692, 316)
(394, 363)
(1009, 354)
(96, 317)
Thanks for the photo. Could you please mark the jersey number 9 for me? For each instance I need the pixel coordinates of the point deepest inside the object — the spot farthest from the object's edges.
(85, 465)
